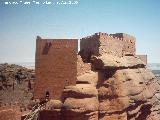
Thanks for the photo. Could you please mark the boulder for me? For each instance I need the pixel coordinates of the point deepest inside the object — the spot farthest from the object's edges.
(107, 61)
(88, 78)
(80, 91)
(81, 109)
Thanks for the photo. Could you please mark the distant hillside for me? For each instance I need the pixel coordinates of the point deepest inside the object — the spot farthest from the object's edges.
(29, 65)
(14, 81)
(157, 73)
(154, 66)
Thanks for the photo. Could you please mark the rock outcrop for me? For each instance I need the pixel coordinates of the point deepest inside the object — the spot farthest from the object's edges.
(116, 89)
(16, 83)
(10, 113)
(81, 102)
(12, 74)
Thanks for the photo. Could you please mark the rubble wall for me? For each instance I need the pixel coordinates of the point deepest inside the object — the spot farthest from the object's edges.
(55, 67)
(82, 67)
(128, 43)
(89, 46)
(118, 44)
(110, 45)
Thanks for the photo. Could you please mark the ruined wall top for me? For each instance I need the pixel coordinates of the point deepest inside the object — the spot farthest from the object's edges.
(118, 44)
(120, 36)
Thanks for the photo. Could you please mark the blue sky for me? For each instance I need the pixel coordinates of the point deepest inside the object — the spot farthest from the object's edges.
(20, 24)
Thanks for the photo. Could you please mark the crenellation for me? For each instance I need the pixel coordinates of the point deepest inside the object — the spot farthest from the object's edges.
(111, 36)
(96, 33)
(103, 34)
(90, 37)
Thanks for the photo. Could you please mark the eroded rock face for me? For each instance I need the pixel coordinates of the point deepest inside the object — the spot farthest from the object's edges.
(127, 91)
(52, 111)
(115, 89)
(81, 102)
(10, 113)
(113, 62)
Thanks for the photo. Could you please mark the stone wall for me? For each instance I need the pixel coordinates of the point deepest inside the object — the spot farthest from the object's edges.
(128, 43)
(110, 45)
(82, 67)
(55, 67)
(89, 46)
(118, 44)
(143, 58)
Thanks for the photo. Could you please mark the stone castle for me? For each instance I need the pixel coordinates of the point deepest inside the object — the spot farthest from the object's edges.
(105, 80)
(56, 59)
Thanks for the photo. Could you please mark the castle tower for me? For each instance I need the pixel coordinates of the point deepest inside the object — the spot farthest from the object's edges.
(119, 44)
(128, 43)
(55, 66)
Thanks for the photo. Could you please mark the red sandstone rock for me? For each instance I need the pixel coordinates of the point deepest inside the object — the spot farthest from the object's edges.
(81, 102)
(10, 113)
(81, 109)
(88, 78)
(109, 61)
(80, 91)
